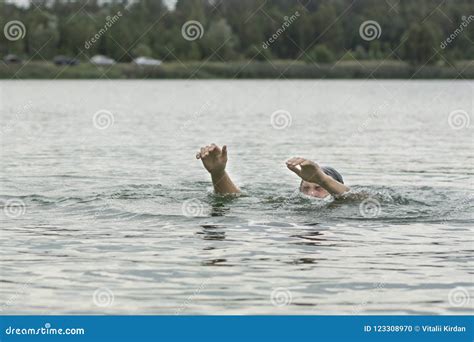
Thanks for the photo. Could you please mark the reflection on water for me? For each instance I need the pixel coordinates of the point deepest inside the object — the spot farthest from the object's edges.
(212, 232)
(127, 212)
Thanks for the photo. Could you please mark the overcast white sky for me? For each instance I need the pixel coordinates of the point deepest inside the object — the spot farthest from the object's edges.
(19, 2)
(169, 3)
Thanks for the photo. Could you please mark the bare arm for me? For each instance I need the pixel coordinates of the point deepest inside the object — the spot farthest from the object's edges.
(311, 172)
(223, 184)
(333, 186)
(214, 160)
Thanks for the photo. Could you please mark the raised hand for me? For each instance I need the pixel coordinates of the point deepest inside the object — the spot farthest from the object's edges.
(311, 172)
(308, 170)
(213, 158)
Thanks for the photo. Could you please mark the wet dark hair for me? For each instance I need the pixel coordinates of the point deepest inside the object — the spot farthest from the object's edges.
(333, 173)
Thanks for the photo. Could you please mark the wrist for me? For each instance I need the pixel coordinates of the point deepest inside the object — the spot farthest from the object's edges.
(218, 174)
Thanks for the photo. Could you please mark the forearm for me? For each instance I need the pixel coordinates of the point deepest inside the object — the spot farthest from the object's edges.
(333, 186)
(223, 184)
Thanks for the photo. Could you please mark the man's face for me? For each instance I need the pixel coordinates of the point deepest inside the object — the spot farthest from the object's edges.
(313, 189)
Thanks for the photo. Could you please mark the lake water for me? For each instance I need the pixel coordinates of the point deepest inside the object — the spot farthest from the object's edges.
(106, 209)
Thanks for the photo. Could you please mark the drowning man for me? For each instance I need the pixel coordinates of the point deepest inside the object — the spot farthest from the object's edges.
(316, 181)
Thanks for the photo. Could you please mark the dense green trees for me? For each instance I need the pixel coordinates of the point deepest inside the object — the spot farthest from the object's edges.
(323, 32)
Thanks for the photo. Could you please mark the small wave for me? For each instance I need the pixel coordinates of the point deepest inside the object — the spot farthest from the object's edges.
(144, 200)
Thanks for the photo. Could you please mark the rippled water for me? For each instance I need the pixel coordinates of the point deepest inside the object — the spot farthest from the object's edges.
(98, 215)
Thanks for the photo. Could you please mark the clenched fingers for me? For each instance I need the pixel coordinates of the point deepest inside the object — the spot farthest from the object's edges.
(207, 150)
(295, 161)
(294, 169)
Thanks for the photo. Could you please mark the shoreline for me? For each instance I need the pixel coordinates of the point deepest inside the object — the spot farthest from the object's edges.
(373, 69)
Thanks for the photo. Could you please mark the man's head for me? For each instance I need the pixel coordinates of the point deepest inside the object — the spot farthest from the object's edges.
(316, 190)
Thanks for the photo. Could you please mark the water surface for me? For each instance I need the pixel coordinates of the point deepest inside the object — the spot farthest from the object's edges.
(117, 216)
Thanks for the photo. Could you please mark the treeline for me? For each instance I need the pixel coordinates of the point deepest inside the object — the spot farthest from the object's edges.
(322, 31)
